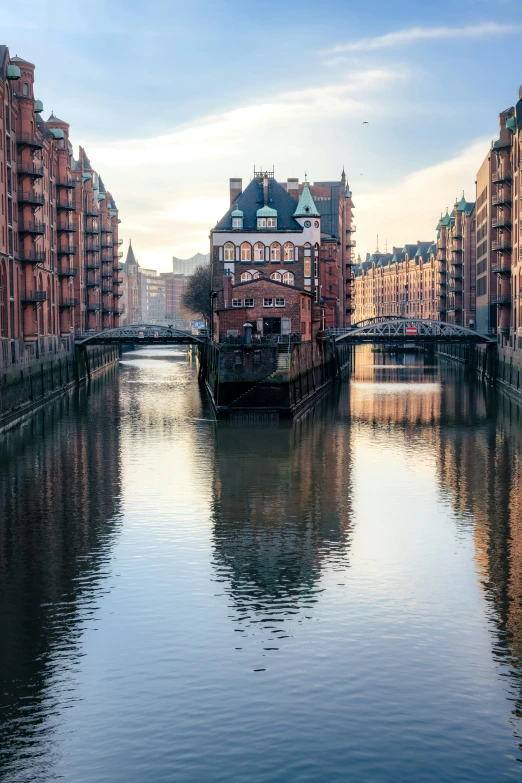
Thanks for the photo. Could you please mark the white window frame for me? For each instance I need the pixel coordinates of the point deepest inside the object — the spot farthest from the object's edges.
(237, 222)
(237, 303)
(228, 252)
(268, 302)
(271, 222)
(275, 253)
(249, 302)
(246, 276)
(261, 222)
(288, 249)
(276, 276)
(246, 246)
(291, 280)
(259, 252)
(280, 301)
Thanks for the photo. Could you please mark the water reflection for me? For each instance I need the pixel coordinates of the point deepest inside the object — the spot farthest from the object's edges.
(282, 513)
(59, 501)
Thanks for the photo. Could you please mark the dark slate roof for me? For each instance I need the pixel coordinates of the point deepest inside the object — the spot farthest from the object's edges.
(470, 206)
(131, 259)
(86, 162)
(101, 185)
(251, 199)
(54, 118)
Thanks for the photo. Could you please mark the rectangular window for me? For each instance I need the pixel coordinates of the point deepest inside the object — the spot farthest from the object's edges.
(268, 302)
(271, 222)
(261, 222)
(279, 302)
(307, 267)
(237, 303)
(249, 302)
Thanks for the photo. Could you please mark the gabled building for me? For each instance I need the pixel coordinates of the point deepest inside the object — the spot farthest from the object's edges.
(265, 262)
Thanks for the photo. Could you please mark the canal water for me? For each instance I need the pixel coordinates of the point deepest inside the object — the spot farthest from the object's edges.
(337, 599)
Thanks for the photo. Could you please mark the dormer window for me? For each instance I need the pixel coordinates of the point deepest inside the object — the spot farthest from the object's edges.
(261, 222)
(266, 217)
(271, 223)
(237, 219)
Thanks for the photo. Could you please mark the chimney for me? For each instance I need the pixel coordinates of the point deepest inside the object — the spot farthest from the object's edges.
(265, 190)
(236, 188)
(292, 187)
(227, 289)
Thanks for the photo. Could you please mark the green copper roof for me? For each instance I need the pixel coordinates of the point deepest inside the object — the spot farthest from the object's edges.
(306, 206)
(511, 124)
(238, 213)
(13, 72)
(38, 107)
(57, 133)
(265, 212)
(461, 206)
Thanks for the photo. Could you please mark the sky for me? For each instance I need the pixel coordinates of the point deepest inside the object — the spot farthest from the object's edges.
(170, 99)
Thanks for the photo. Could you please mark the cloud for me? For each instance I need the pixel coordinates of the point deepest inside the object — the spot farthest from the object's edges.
(171, 189)
(412, 34)
(409, 210)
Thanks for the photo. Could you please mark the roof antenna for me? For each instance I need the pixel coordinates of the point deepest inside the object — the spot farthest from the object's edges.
(386, 247)
(306, 177)
(377, 248)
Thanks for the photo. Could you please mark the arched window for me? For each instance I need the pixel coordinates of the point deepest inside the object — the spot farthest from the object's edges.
(275, 252)
(288, 251)
(229, 252)
(276, 276)
(246, 252)
(259, 251)
(245, 276)
(256, 275)
(288, 278)
(25, 89)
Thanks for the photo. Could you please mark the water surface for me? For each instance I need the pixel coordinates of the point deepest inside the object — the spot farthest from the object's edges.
(337, 599)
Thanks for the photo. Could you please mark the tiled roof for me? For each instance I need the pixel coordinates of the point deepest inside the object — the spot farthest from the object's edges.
(252, 199)
(306, 206)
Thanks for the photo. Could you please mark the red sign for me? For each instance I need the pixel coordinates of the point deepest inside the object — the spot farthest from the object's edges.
(411, 330)
(141, 333)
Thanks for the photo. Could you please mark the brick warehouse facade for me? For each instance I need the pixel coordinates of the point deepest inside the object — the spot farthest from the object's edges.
(271, 246)
(59, 247)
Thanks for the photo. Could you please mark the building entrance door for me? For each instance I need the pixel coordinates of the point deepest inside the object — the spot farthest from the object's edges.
(271, 326)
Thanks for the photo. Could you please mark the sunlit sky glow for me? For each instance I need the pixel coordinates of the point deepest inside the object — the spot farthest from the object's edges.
(171, 99)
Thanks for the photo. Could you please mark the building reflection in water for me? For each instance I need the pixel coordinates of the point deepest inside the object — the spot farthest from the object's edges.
(282, 512)
(476, 435)
(59, 501)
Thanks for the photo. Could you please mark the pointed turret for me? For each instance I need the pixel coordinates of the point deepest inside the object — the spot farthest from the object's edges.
(131, 259)
(461, 206)
(306, 206)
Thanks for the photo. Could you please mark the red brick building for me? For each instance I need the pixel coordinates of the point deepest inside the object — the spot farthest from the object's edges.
(59, 254)
(270, 251)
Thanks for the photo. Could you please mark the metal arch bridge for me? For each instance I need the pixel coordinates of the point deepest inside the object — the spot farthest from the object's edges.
(140, 333)
(411, 330)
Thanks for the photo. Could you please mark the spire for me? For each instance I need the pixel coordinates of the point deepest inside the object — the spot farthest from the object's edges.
(131, 259)
(461, 206)
(343, 180)
(306, 206)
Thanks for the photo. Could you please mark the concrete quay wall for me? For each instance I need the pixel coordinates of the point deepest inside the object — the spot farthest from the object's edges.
(25, 386)
(502, 368)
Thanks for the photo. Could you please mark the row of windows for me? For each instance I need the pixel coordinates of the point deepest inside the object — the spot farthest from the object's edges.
(281, 277)
(257, 252)
(271, 222)
(267, 302)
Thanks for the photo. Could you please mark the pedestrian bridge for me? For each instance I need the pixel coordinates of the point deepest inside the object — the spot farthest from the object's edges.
(409, 330)
(140, 333)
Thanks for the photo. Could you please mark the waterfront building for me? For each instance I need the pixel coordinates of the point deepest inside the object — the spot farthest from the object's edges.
(131, 301)
(59, 270)
(456, 254)
(152, 296)
(272, 263)
(486, 277)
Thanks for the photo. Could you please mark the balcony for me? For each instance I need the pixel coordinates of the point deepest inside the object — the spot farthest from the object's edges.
(70, 301)
(120, 241)
(108, 309)
(92, 247)
(93, 283)
(117, 268)
(502, 300)
(501, 245)
(35, 227)
(118, 311)
(456, 250)
(70, 250)
(107, 289)
(64, 227)
(64, 182)
(69, 206)
(92, 230)
(456, 275)
(92, 211)
(34, 297)
(120, 254)
(454, 308)
(94, 306)
(29, 170)
(67, 271)
(106, 228)
(117, 294)
(456, 234)
(501, 221)
(501, 176)
(92, 263)
(30, 197)
(36, 257)
(350, 243)
(32, 140)
(501, 199)
(106, 243)
(455, 287)
(502, 267)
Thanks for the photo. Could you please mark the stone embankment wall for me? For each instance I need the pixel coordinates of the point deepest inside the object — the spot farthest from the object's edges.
(500, 368)
(29, 382)
(261, 376)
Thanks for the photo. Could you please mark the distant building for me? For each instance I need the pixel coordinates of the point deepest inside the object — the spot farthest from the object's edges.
(152, 297)
(131, 289)
(187, 266)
